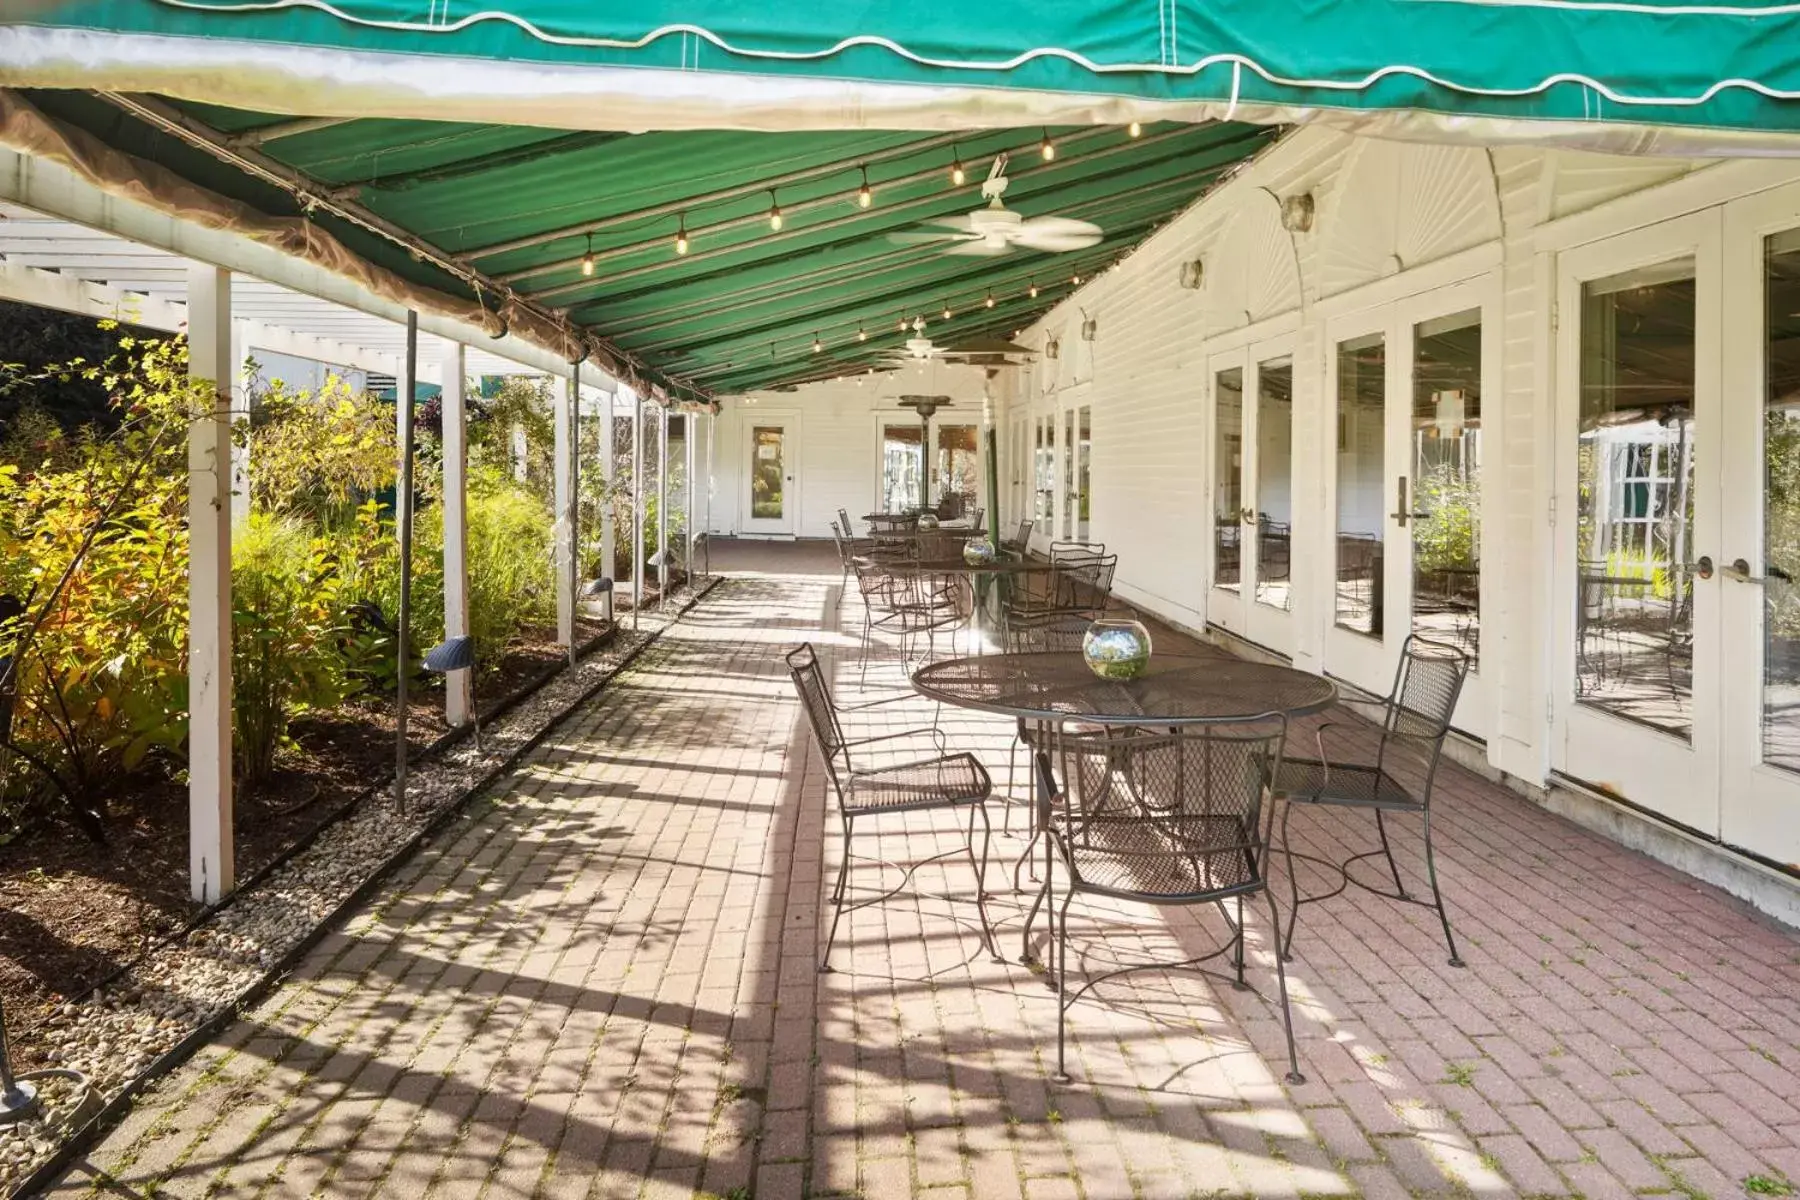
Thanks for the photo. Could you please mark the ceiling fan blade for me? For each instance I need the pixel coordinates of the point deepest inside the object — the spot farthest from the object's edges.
(1055, 243)
(979, 248)
(920, 237)
(1062, 225)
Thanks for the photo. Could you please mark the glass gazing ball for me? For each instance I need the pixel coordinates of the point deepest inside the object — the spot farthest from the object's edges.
(978, 552)
(1116, 648)
(927, 521)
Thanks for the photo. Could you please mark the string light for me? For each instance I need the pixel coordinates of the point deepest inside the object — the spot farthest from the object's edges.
(681, 241)
(862, 335)
(903, 324)
(817, 344)
(1077, 279)
(946, 310)
(990, 299)
(1134, 130)
(1047, 148)
(958, 176)
(1033, 289)
(865, 197)
(774, 212)
(587, 260)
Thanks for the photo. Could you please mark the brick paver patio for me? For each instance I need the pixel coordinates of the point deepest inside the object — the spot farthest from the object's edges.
(601, 983)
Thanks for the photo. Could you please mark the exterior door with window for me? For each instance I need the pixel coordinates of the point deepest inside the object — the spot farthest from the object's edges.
(1640, 446)
(1759, 554)
(1405, 386)
(1252, 512)
(772, 506)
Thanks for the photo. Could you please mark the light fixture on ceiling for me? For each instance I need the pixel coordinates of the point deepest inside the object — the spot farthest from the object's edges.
(1033, 289)
(587, 259)
(1134, 130)
(1076, 279)
(946, 310)
(990, 299)
(817, 344)
(681, 238)
(864, 197)
(862, 335)
(774, 211)
(903, 324)
(958, 176)
(1047, 148)
(1297, 213)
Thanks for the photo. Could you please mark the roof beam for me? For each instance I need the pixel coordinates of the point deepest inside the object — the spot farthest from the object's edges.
(460, 168)
(262, 135)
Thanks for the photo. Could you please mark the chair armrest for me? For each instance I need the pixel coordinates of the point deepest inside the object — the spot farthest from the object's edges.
(936, 735)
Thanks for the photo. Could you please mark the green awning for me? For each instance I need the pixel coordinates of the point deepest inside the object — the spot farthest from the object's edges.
(1616, 74)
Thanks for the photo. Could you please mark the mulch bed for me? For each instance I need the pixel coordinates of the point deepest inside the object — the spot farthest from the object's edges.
(72, 912)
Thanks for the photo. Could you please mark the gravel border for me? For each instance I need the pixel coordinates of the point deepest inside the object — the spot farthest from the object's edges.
(156, 1013)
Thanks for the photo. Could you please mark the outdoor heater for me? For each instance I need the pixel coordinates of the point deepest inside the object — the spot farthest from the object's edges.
(926, 407)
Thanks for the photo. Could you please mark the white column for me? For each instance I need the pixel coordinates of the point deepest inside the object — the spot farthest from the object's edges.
(564, 458)
(637, 507)
(458, 694)
(662, 504)
(687, 492)
(211, 869)
(712, 420)
(574, 566)
(609, 543)
(240, 416)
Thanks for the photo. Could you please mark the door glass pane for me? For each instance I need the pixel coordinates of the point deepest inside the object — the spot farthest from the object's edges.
(768, 454)
(1446, 480)
(1634, 611)
(1361, 412)
(1083, 463)
(1274, 479)
(1228, 480)
(1781, 504)
(899, 468)
(955, 470)
(1068, 454)
(1044, 475)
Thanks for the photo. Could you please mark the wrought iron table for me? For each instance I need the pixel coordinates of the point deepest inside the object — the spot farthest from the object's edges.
(979, 574)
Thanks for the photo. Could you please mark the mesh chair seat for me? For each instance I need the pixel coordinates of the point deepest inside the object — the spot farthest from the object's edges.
(1308, 781)
(931, 783)
(1146, 859)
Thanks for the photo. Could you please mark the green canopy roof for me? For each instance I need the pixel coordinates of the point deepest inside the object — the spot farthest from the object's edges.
(1450, 67)
(581, 227)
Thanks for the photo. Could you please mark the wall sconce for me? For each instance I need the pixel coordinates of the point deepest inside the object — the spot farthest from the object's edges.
(1089, 328)
(1193, 274)
(1297, 213)
(1053, 349)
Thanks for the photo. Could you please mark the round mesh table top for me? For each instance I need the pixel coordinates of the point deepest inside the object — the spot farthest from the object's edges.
(953, 566)
(1175, 689)
(919, 535)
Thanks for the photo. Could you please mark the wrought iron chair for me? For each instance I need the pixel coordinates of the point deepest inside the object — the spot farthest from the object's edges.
(1020, 543)
(1166, 818)
(893, 522)
(1416, 719)
(845, 525)
(904, 604)
(946, 781)
(1064, 636)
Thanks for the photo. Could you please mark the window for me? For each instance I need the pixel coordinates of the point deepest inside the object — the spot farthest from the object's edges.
(1361, 411)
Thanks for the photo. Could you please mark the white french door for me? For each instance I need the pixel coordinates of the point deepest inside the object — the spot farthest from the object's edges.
(772, 506)
(1640, 453)
(1406, 494)
(1252, 512)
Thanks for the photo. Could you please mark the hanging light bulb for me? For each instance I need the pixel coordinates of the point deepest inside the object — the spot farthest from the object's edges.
(587, 260)
(958, 176)
(1134, 130)
(681, 241)
(774, 212)
(1077, 279)
(862, 335)
(946, 310)
(990, 299)
(864, 197)
(902, 324)
(1033, 289)
(817, 344)
(1047, 148)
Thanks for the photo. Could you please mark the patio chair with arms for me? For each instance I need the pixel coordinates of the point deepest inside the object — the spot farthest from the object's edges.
(1166, 818)
(944, 781)
(1416, 718)
(1020, 542)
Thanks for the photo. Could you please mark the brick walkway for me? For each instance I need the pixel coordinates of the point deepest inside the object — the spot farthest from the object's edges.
(600, 983)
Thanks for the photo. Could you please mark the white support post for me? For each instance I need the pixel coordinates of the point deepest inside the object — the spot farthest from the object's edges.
(574, 569)
(458, 685)
(712, 419)
(662, 505)
(637, 508)
(565, 532)
(240, 416)
(211, 865)
(687, 492)
(609, 535)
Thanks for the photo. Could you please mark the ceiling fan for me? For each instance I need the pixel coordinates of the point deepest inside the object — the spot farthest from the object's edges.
(997, 229)
(979, 351)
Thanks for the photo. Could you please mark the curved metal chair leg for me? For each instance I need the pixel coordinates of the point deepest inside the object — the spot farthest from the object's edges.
(1060, 948)
(1381, 826)
(988, 941)
(1294, 1077)
(1012, 783)
(1437, 896)
(1285, 945)
(837, 902)
(1239, 956)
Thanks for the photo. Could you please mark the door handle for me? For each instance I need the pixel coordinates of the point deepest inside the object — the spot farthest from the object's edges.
(1740, 571)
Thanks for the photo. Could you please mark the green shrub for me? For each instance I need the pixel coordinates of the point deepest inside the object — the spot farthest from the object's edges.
(286, 623)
